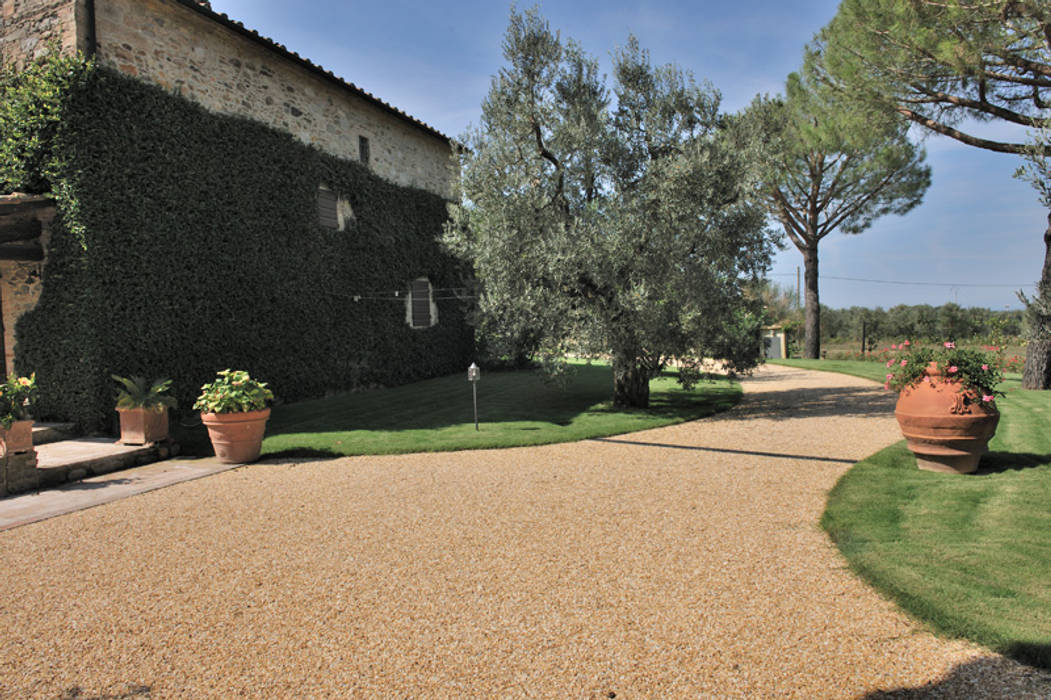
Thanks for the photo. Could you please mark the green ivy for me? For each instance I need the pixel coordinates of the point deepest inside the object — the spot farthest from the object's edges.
(31, 109)
(188, 241)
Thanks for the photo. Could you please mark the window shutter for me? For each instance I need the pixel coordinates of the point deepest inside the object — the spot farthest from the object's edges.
(327, 204)
(421, 304)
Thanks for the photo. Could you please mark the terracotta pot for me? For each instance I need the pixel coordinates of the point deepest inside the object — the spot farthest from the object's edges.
(947, 428)
(236, 437)
(18, 438)
(142, 426)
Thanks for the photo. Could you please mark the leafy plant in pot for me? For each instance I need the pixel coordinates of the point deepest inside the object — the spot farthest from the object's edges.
(17, 399)
(946, 403)
(143, 408)
(235, 409)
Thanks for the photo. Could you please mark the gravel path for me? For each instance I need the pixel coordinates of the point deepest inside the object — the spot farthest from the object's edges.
(680, 562)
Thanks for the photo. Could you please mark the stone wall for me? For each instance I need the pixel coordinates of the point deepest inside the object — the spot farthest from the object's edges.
(19, 473)
(177, 48)
(20, 281)
(19, 291)
(27, 27)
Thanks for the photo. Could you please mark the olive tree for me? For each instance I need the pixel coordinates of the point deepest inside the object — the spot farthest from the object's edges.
(607, 222)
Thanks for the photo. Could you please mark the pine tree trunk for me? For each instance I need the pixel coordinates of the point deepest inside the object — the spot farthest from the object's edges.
(812, 343)
(1037, 374)
(631, 382)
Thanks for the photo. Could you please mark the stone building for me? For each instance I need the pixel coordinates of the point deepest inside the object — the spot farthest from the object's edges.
(188, 49)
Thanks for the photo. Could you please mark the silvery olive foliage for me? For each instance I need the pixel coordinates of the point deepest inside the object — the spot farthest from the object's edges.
(607, 221)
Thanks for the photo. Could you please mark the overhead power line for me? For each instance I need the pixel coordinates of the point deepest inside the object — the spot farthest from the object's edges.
(920, 284)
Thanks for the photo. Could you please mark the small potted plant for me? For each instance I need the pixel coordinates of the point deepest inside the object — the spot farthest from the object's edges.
(143, 408)
(946, 403)
(235, 409)
(17, 399)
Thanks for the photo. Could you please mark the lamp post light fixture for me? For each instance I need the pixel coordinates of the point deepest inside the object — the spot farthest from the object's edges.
(473, 375)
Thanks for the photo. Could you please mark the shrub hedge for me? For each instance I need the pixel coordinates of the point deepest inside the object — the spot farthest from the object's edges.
(187, 242)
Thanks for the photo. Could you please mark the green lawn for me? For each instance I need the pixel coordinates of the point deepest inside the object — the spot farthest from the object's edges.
(876, 371)
(968, 555)
(514, 409)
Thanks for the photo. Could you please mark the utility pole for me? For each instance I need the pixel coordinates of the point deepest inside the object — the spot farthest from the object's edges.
(799, 298)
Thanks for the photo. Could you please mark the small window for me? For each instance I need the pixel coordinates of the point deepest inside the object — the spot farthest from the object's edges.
(328, 208)
(421, 311)
(363, 149)
(334, 212)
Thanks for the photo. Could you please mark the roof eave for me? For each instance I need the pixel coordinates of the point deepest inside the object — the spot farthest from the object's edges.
(317, 70)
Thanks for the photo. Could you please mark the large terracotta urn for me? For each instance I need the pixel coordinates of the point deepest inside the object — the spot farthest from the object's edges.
(946, 426)
(236, 437)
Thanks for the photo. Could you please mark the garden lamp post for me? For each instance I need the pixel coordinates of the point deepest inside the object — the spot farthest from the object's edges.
(473, 375)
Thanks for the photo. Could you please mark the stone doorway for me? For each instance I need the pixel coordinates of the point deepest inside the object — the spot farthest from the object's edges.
(24, 231)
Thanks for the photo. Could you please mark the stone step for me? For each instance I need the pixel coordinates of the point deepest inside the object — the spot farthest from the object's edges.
(72, 460)
(44, 433)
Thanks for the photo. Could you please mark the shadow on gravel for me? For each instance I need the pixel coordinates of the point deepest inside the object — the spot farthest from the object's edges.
(776, 455)
(300, 453)
(988, 677)
(814, 403)
(135, 691)
(95, 485)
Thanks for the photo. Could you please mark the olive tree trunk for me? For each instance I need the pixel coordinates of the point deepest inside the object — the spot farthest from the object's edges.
(631, 382)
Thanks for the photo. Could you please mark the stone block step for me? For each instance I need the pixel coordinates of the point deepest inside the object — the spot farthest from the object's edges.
(44, 433)
(72, 460)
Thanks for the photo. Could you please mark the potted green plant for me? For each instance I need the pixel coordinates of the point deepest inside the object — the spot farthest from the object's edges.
(143, 408)
(946, 403)
(17, 399)
(235, 409)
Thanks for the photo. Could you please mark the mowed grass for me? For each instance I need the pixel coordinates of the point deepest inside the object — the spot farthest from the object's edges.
(969, 555)
(876, 371)
(514, 408)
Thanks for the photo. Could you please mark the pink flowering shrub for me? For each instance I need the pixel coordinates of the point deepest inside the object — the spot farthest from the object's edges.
(977, 371)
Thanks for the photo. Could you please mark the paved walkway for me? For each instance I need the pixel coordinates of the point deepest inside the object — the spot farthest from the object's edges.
(95, 491)
(680, 562)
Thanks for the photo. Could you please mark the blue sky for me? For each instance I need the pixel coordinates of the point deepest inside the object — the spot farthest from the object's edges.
(976, 226)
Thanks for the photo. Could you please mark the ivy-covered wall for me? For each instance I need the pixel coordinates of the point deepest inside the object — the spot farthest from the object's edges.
(188, 242)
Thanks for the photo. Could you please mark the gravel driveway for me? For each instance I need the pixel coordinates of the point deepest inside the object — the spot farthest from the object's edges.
(680, 562)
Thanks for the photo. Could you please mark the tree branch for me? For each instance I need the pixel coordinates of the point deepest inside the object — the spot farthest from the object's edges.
(998, 146)
(560, 192)
(983, 106)
(796, 232)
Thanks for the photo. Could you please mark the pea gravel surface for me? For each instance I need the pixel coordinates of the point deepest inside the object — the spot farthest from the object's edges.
(680, 562)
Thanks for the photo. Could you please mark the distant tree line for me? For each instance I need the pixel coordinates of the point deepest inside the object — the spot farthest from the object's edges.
(919, 323)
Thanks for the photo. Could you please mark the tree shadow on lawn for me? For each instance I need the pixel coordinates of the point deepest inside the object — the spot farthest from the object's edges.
(446, 401)
(503, 397)
(1000, 462)
(522, 397)
(988, 677)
